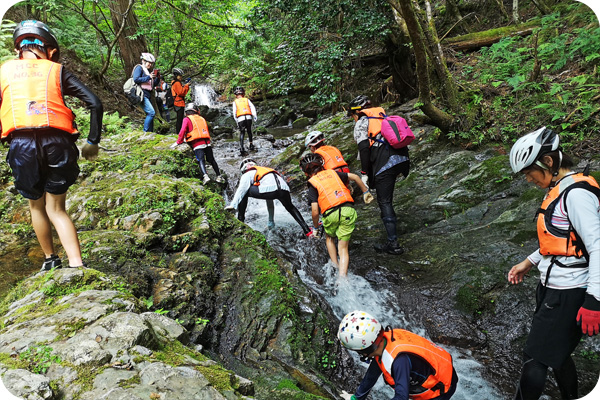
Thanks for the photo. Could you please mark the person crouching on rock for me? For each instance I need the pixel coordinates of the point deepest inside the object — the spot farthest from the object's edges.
(416, 368)
(329, 195)
(194, 131)
(42, 133)
(267, 184)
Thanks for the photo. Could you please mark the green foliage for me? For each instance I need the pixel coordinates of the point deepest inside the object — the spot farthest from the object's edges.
(39, 358)
(6, 41)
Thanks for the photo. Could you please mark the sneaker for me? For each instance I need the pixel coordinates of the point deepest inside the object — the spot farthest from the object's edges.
(220, 179)
(51, 262)
(206, 179)
(390, 247)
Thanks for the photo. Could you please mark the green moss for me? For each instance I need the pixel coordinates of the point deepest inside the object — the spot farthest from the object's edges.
(218, 377)
(131, 382)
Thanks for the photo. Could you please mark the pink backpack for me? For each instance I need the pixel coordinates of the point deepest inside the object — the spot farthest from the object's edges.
(396, 131)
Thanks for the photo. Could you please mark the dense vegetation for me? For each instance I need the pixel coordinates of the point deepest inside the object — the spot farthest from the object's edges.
(494, 93)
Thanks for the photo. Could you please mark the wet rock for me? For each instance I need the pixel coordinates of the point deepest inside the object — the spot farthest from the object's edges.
(26, 385)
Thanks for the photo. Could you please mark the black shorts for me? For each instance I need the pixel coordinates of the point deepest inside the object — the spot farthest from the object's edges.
(554, 330)
(43, 162)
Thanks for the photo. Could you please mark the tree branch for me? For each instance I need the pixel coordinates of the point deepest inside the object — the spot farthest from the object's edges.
(201, 21)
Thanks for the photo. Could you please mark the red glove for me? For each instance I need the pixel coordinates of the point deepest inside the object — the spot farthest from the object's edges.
(589, 316)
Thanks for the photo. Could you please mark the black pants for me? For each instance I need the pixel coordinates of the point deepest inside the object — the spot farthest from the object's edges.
(179, 121)
(282, 195)
(245, 125)
(384, 187)
(533, 379)
(206, 153)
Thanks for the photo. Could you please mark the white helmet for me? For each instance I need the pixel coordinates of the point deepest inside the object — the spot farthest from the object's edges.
(528, 149)
(247, 163)
(313, 138)
(358, 330)
(148, 57)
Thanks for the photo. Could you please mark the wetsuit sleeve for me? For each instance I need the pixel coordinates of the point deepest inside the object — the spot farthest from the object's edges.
(368, 381)
(246, 181)
(71, 86)
(313, 194)
(344, 177)
(364, 151)
(401, 373)
(584, 213)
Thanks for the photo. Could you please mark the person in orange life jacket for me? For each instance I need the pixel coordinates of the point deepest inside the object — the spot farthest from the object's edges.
(267, 184)
(329, 195)
(415, 367)
(179, 91)
(143, 75)
(243, 111)
(332, 157)
(194, 131)
(568, 226)
(381, 165)
(42, 133)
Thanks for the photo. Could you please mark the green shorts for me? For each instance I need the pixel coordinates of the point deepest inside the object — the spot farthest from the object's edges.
(340, 223)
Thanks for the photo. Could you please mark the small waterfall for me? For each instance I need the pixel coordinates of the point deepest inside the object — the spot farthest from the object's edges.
(204, 95)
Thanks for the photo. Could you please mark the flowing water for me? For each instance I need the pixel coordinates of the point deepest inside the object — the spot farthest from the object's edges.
(204, 95)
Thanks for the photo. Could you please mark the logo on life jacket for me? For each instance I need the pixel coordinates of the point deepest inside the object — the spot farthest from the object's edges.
(34, 108)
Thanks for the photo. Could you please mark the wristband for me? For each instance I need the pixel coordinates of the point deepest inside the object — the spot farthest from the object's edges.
(88, 141)
(367, 191)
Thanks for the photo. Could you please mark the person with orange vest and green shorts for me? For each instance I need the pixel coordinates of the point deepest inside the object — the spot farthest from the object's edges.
(381, 165)
(267, 184)
(329, 195)
(194, 131)
(42, 134)
(332, 157)
(568, 261)
(413, 366)
(244, 112)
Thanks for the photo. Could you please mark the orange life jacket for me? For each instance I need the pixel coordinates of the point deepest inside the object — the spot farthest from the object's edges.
(375, 120)
(332, 157)
(242, 107)
(179, 91)
(32, 97)
(200, 130)
(439, 360)
(559, 242)
(261, 172)
(332, 191)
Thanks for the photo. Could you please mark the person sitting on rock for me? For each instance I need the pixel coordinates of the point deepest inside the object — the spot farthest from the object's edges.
(42, 133)
(267, 184)
(413, 366)
(194, 131)
(329, 195)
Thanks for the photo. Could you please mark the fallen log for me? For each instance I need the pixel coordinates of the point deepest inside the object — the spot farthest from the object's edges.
(477, 40)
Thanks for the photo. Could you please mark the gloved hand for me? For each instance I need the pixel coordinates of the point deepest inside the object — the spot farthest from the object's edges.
(230, 208)
(173, 145)
(589, 316)
(367, 197)
(365, 178)
(188, 80)
(89, 151)
(347, 396)
(314, 233)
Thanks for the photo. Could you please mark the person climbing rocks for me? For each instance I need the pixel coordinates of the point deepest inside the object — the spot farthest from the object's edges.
(179, 90)
(332, 157)
(381, 165)
(244, 112)
(195, 132)
(264, 183)
(143, 75)
(42, 133)
(329, 195)
(413, 366)
(568, 259)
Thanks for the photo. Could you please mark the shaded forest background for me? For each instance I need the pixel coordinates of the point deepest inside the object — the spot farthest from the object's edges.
(482, 70)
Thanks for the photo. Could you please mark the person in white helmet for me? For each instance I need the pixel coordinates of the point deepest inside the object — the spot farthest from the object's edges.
(267, 184)
(415, 367)
(143, 75)
(568, 293)
(244, 112)
(332, 157)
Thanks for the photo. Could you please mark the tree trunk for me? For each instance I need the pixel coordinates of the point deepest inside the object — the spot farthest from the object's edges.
(439, 118)
(401, 61)
(515, 12)
(541, 5)
(130, 49)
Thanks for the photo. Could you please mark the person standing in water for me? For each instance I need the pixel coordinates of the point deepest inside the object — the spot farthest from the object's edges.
(568, 259)
(244, 112)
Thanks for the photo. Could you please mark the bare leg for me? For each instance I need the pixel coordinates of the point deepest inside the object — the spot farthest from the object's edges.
(332, 250)
(41, 225)
(344, 256)
(55, 208)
